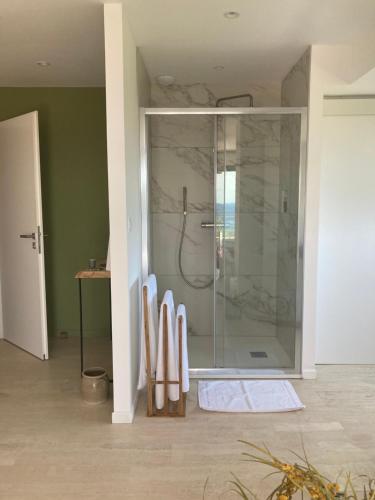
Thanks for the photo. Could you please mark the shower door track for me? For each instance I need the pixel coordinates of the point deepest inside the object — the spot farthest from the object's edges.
(224, 111)
(243, 373)
(234, 373)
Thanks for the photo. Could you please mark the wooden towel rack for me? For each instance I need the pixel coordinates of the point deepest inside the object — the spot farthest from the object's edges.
(171, 408)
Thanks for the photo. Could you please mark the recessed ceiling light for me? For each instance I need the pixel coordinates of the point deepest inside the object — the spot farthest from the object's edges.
(218, 68)
(44, 64)
(231, 14)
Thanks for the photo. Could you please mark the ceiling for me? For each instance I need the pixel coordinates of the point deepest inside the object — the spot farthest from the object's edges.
(184, 38)
(67, 33)
(187, 38)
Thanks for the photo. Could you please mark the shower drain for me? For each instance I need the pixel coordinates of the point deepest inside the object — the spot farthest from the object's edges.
(258, 354)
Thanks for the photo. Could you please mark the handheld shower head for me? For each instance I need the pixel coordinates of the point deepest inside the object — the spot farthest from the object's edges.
(184, 197)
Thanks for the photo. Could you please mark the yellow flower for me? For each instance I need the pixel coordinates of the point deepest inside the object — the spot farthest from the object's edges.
(283, 497)
(334, 487)
(287, 467)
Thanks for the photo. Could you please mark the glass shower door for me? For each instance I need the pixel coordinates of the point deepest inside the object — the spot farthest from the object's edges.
(256, 215)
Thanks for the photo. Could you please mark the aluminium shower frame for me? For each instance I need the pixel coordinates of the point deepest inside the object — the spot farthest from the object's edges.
(144, 183)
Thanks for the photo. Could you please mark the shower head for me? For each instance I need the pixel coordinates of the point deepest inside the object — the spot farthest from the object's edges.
(184, 197)
(229, 98)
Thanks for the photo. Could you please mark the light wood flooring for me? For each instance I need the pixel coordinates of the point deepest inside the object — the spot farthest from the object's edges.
(53, 446)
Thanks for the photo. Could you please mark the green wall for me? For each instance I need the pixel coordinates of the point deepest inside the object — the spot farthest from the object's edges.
(72, 130)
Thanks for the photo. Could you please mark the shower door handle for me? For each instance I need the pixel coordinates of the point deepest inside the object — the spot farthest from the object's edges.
(221, 244)
(219, 252)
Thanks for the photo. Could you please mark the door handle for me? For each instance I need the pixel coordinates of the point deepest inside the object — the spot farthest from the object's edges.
(31, 236)
(219, 252)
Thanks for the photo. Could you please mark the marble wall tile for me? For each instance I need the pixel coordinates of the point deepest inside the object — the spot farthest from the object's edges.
(173, 168)
(287, 250)
(247, 131)
(286, 320)
(295, 86)
(286, 306)
(248, 301)
(199, 303)
(191, 131)
(295, 92)
(263, 157)
(195, 95)
(198, 249)
(250, 305)
(290, 159)
(254, 198)
(248, 327)
(253, 251)
(259, 130)
(202, 95)
(256, 172)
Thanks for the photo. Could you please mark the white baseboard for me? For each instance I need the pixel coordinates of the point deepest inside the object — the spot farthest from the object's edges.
(125, 417)
(309, 373)
(122, 417)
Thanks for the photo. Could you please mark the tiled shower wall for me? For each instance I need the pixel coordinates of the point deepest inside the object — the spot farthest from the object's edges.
(294, 92)
(182, 155)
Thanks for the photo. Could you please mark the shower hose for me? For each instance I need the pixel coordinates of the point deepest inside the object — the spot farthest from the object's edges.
(189, 283)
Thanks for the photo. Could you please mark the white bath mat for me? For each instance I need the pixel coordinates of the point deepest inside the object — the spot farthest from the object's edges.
(248, 396)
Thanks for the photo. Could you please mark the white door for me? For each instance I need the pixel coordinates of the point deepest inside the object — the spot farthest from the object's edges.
(21, 236)
(346, 279)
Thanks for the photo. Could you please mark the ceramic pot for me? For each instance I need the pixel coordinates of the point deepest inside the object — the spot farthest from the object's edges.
(94, 385)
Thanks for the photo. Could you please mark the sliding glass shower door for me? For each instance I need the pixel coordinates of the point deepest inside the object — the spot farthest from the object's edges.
(256, 229)
(222, 211)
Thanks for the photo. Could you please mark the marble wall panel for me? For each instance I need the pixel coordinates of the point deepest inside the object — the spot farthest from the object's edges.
(175, 167)
(198, 245)
(251, 305)
(189, 131)
(295, 86)
(253, 251)
(199, 303)
(182, 155)
(295, 92)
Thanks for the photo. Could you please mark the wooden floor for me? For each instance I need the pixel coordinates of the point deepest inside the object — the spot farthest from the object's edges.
(52, 446)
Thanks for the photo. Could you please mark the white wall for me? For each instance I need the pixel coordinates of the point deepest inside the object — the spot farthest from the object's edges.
(346, 278)
(328, 75)
(123, 103)
(333, 70)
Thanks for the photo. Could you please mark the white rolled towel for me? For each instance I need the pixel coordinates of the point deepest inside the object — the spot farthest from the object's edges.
(153, 321)
(181, 313)
(167, 303)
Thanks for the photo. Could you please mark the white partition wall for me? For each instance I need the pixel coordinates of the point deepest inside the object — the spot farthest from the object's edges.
(126, 91)
(122, 410)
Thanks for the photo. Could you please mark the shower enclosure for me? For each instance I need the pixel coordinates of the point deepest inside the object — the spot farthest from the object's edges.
(222, 226)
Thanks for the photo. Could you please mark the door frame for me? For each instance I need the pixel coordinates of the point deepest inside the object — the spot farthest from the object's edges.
(145, 205)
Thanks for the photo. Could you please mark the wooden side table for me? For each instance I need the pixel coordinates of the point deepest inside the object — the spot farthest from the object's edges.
(91, 274)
